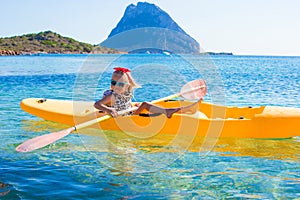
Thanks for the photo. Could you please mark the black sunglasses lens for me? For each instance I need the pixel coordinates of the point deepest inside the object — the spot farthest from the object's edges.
(121, 84)
(113, 82)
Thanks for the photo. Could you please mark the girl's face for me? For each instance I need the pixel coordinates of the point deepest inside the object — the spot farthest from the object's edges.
(119, 84)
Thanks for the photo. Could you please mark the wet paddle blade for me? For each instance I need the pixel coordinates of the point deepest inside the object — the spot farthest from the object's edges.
(194, 90)
(43, 140)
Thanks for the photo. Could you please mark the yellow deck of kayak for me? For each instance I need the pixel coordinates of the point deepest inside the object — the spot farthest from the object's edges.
(210, 120)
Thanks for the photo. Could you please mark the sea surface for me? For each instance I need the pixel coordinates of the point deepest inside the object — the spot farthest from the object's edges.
(94, 164)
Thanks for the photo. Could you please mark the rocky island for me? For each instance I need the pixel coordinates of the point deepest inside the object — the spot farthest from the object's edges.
(48, 42)
(146, 28)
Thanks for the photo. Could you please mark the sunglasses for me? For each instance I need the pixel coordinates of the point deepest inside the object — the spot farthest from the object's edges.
(119, 84)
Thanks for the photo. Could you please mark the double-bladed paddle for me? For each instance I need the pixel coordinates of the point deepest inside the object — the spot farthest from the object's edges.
(192, 90)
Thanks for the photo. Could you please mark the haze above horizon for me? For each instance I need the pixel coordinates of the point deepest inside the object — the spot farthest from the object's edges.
(256, 27)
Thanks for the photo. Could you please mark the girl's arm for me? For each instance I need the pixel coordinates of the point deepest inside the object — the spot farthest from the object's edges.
(101, 105)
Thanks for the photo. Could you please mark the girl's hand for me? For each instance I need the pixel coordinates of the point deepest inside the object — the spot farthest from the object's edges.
(137, 104)
(113, 112)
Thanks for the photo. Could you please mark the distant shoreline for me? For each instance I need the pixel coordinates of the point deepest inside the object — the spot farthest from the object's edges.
(14, 53)
(220, 53)
(86, 54)
(48, 42)
(97, 53)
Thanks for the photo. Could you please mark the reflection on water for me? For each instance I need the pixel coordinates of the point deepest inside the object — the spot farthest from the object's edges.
(103, 163)
(119, 143)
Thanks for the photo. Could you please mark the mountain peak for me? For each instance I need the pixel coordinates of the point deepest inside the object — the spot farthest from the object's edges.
(145, 27)
(145, 15)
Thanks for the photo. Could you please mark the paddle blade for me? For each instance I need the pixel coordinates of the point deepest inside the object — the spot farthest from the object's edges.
(43, 140)
(194, 90)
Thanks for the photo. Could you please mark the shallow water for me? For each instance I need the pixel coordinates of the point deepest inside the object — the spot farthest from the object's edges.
(112, 165)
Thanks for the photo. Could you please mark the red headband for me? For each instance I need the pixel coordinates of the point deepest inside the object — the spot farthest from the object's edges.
(124, 70)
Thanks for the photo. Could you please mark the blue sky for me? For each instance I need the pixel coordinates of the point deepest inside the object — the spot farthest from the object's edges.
(244, 27)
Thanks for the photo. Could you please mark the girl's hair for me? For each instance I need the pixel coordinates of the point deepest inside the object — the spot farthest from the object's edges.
(124, 71)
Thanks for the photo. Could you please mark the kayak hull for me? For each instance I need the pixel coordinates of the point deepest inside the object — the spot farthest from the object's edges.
(209, 121)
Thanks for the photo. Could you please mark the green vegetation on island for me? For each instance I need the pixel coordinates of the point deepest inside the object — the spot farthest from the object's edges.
(48, 42)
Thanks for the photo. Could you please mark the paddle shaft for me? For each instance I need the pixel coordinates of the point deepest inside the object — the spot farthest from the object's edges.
(100, 119)
(43, 140)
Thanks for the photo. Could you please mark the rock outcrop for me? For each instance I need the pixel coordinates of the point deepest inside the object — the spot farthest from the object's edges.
(9, 53)
(147, 28)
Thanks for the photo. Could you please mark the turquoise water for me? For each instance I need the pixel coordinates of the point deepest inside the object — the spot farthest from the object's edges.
(113, 165)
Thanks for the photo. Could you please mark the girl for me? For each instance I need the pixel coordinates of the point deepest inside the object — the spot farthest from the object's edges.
(121, 93)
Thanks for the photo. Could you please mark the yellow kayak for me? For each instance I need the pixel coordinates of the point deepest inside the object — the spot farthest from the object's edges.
(209, 121)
